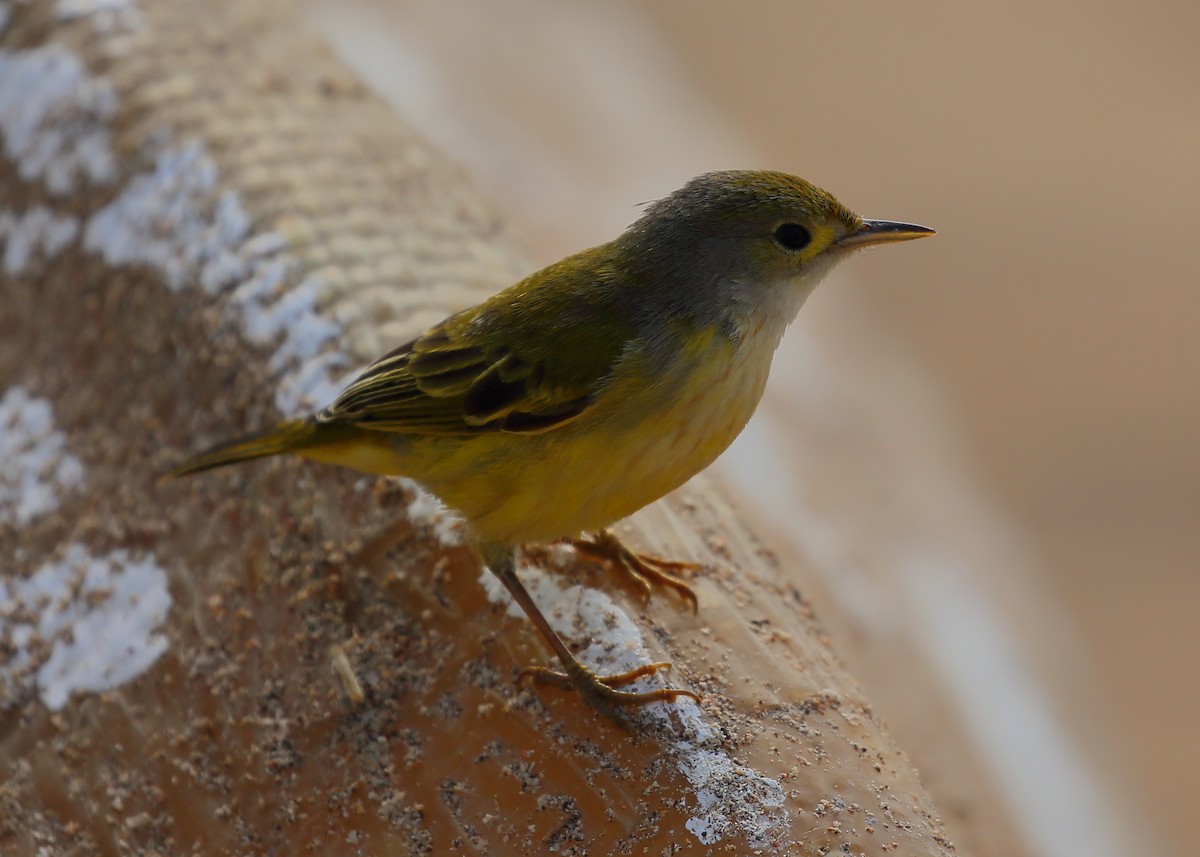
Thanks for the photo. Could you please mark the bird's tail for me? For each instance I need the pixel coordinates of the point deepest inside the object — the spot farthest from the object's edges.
(291, 436)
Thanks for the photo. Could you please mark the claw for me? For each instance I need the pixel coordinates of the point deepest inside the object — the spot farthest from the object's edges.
(602, 689)
(644, 571)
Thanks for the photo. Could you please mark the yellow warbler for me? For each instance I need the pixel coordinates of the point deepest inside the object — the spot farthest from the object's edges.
(594, 386)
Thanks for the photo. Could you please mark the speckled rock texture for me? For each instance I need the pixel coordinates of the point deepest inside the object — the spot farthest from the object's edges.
(207, 223)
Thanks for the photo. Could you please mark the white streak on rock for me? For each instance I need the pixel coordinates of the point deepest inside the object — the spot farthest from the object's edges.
(730, 797)
(176, 219)
(173, 219)
(82, 623)
(55, 123)
(106, 16)
(37, 467)
(28, 234)
(54, 118)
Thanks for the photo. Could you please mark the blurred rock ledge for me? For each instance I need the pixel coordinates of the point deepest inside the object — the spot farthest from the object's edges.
(209, 222)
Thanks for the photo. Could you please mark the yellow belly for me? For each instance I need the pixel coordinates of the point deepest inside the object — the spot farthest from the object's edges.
(631, 448)
(634, 445)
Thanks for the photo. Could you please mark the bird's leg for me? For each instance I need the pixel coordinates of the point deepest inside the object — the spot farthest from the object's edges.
(599, 690)
(645, 571)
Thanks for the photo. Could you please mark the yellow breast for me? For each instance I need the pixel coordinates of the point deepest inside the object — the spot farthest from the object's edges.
(642, 439)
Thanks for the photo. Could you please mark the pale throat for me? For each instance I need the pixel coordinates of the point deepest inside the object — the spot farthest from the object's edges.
(761, 311)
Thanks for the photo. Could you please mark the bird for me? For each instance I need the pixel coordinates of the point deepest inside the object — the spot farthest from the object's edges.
(592, 387)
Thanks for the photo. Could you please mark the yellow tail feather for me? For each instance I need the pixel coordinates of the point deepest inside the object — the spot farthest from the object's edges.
(292, 436)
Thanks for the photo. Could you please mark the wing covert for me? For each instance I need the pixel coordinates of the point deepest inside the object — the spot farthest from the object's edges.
(526, 361)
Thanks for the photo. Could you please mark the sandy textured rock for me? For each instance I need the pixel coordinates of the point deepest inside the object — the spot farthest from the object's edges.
(285, 658)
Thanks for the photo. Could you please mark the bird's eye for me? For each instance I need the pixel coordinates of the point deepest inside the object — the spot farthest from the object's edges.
(792, 236)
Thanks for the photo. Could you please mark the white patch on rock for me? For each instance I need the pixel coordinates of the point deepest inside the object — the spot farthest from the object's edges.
(730, 797)
(172, 219)
(106, 16)
(82, 623)
(37, 467)
(28, 234)
(176, 219)
(54, 118)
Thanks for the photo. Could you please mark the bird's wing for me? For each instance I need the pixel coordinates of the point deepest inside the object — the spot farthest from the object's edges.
(527, 361)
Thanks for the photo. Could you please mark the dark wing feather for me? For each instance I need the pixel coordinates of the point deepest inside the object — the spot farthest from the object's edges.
(527, 361)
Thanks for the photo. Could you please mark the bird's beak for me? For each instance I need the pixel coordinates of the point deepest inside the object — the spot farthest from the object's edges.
(883, 232)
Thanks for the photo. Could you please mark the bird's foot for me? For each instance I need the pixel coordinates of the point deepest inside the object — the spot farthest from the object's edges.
(644, 571)
(603, 691)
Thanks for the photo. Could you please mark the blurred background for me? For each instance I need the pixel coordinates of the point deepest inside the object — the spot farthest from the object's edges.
(1031, 373)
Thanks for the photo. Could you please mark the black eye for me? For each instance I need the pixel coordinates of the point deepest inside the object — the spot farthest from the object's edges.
(792, 236)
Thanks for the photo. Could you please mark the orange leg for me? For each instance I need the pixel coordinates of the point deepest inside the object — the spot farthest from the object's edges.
(600, 691)
(644, 571)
